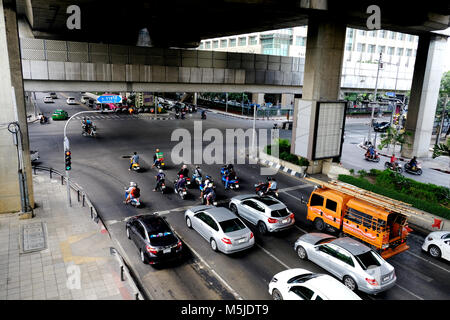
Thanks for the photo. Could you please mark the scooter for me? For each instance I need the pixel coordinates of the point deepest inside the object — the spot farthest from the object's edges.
(44, 120)
(261, 187)
(418, 170)
(134, 201)
(160, 163)
(182, 192)
(232, 183)
(203, 115)
(388, 165)
(374, 159)
(197, 179)
(177, 115)
(162, 186)
(212, 199)
(91, 132)
(183, 115)
(135, 167)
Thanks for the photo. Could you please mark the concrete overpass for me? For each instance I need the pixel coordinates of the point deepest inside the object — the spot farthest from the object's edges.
(183, 24)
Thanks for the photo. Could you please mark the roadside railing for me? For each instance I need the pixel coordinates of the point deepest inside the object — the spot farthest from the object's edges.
(85, 201)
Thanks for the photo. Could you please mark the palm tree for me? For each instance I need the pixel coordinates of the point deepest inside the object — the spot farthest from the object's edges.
(394, 137)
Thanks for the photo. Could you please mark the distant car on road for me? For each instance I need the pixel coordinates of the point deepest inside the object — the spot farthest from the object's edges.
(154, 239)
(60, 114)
(219, 226)
(381, 126)
(357, 265)
(53, 95)
(301, 284)
(34, 155)
(71, 100)
(48, 99)
(437, 244)
(267, 213)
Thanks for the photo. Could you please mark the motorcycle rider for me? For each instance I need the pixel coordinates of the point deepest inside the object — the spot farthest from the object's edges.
(209, 192)
(371, 151)
(203, 114)
(184, 171)
(197, 172)
(181, 183)
(157, 157)
(393, 162)
(206, 183)
(159, 179)
(413, 163)
(134, 159)
(132, 192)
(272, 185)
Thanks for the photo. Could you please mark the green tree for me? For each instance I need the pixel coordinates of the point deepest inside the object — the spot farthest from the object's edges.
(393, 137)
(442, 149)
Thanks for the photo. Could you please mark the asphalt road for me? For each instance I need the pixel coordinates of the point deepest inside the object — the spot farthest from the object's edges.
(101, 167)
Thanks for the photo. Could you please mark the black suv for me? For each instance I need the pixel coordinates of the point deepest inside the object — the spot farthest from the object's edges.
(154, 239)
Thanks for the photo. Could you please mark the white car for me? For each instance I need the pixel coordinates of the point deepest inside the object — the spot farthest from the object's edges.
(301, 284)
(48, 99)
(437, 244)
(71, 100)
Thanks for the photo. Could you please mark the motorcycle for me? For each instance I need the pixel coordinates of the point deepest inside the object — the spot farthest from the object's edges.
(204, 116)
(177, 115)
(135, 167)
(162, 186)
(182, 192)
(233, 183)
(134, 201)
(374, 159)
(91, 132)
(197, 179)
(408, 169)
(44, 120)
(183, 115)
(160, 163)
(261, 187)
(212, 199)
(388, 165)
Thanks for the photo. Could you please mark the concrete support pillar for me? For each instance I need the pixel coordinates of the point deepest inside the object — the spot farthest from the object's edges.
(194, 99)
(322, 75)
(258, 98)
(428, 70)
(11, 71)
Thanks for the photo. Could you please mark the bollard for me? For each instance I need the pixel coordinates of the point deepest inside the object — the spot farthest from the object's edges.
(78, 195)
(121, 274)
(62, 180)
(50, 173)
(84, 197)
(137, 296)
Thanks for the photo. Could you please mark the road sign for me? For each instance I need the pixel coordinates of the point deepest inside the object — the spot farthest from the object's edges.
(109, 99)
(390, 94)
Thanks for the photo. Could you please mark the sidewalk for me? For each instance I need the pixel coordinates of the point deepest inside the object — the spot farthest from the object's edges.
(233, 115)
(59, 254)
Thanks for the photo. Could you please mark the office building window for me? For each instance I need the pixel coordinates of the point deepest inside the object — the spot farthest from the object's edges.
(348, 46)
(362, 32)
(242, 41)
(215, 44)
(390, 51)
(350, 33)
(382, 34)
(300, 41)
(252, 40)
(201, 45)
(408, 52)
(401, 36)
(233, 42)
(399, 51)
(223, 43)
(392, 35)
(373, 33)
(361, 47)
(410, 37)
(208, 45)
(381, 49)
(371, 48)
(275, 44)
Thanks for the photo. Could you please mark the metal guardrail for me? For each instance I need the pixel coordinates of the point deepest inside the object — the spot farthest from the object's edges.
(84, 199)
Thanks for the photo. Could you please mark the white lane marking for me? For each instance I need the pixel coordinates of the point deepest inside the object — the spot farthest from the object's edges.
(274, 257)
(411, 293)
(233, 292)
(294, 188)
(304, 231)
(426, 260)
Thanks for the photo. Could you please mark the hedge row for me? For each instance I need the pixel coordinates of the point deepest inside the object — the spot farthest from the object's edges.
(284, 149)
(421, 204)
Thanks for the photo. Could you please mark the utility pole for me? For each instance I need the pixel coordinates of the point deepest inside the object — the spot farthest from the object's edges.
(369, 136)
(226, 102)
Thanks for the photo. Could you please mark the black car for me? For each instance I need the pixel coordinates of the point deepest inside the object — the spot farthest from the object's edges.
(154, 239)
(381, 126)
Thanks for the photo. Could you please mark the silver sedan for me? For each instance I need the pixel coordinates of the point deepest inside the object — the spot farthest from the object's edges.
(358, 266)
(219, 226)
(267, 213)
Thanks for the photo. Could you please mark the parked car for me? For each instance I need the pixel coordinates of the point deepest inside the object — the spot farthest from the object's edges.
(34, 155)
(84, 99)
(53, 95)
(154, 239)
(357, 265)
(267, 213)
(60, 114)
(301, 284)
(223, 230)
(381, 126)
(71, 100)
(437, 244)
(48, 99)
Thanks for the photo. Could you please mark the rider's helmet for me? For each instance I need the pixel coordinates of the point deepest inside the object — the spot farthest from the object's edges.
(157, 150)
(181, 176)
(198, 167)
(160, 171)
(210, 185)
(184, 166)
(133, 184)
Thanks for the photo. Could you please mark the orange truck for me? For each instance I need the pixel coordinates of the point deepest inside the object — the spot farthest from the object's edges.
(376, 220)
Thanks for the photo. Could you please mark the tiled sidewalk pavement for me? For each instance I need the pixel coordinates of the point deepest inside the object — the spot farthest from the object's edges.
(74, 243)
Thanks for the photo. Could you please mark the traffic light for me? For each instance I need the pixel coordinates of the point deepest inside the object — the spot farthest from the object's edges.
(68, 160)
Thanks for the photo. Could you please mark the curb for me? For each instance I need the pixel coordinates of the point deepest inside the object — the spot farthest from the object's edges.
(403, 159)
(278, 166)
(241, 117)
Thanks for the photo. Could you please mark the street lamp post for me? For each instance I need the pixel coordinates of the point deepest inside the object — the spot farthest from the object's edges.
(369, 136)
(67, 148)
